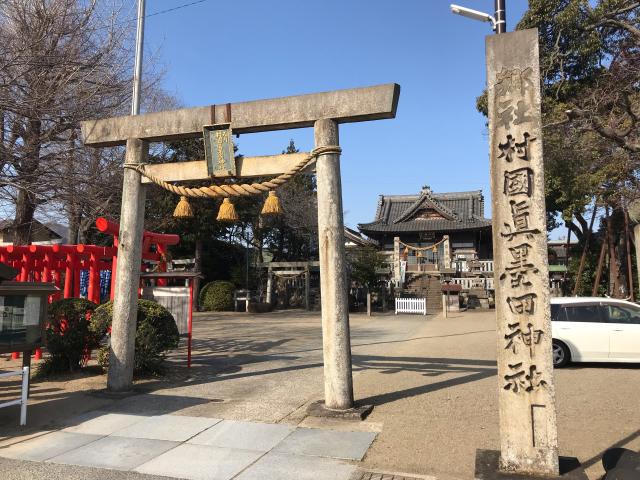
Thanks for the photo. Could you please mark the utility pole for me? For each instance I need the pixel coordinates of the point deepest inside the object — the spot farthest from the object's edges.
(137, 69)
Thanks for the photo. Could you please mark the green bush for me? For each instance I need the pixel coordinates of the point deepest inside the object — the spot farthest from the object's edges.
(69, 335)
(156, 333)
(217, 296)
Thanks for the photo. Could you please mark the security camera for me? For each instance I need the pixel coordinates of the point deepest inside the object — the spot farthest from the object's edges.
(473, 14)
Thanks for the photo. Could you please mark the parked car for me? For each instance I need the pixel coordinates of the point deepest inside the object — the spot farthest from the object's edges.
(593, 329)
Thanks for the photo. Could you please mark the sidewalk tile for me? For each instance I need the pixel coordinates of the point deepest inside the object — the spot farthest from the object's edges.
(261, 437)
(46, 446)
(106, 423)
(175, 428)
(283, 466)
(117, 453)
(327, 443)
(200, 462)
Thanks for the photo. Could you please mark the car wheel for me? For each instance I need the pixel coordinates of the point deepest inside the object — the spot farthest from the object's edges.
(561, 354)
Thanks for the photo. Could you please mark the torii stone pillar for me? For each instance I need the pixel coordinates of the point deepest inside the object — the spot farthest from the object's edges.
(528, 435)
(307, 288)
(125, 309)
(269, 285)
(336, 341)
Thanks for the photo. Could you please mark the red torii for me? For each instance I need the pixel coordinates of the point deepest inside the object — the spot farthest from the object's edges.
(161, 240)
(49, 263)
(52, 263)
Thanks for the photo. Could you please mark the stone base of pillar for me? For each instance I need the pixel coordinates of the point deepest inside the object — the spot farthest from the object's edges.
(358, 412)
(118, 395)
(488, 463)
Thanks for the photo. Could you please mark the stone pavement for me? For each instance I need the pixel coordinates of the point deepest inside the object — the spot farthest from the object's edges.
(198, 448)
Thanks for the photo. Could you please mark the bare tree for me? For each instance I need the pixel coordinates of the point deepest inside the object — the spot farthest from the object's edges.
(61, 61)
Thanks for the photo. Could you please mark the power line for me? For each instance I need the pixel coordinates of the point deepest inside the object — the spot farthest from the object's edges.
(161, 12)
(190, 4)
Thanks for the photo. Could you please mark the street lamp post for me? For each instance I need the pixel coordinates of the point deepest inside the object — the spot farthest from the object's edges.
(498, 20)
(500, 17)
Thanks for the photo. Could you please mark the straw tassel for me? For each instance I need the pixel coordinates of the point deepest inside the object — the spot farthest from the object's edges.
(227, 212)
(271, 205)
(183, 209)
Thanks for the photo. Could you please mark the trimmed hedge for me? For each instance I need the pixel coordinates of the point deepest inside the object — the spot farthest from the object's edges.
(217, 296)
(156, 333)
(70, 335)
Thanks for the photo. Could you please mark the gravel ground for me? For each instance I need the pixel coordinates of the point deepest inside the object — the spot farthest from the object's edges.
(432, 382)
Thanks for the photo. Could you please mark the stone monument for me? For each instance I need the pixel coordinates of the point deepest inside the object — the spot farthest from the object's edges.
(528, 435)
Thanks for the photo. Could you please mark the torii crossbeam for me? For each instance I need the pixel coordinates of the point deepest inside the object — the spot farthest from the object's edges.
(322, 111)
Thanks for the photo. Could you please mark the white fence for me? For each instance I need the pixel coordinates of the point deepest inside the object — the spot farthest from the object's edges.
(411, 305)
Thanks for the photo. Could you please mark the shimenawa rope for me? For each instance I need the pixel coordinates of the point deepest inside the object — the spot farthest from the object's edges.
(421, 249)
(235, 189)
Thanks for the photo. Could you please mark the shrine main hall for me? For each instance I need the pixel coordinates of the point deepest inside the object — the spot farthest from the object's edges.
(433, 232)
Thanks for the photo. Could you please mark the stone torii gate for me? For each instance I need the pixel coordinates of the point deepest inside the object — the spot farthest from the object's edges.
(322, 111)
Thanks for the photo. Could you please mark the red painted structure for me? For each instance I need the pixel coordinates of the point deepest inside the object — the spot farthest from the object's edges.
(63, 263)
(58, 263)
(161, 240)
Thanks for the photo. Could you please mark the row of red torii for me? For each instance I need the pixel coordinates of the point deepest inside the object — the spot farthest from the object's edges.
(62, 264)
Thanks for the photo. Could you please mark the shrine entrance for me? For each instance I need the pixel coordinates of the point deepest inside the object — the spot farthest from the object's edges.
(322, 111)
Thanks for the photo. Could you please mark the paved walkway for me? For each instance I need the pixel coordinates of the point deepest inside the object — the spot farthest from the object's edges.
(198, 448)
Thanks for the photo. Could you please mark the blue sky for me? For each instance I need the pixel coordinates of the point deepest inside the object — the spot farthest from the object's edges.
(228, 51)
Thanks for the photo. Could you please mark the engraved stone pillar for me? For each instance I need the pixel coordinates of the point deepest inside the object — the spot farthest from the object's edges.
(446, 251)
(528, 435)
(396, 260)
(125, 302)
(336, 342)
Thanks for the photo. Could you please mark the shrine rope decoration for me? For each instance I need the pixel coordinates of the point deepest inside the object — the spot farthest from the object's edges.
(227, 211)
(422, 249)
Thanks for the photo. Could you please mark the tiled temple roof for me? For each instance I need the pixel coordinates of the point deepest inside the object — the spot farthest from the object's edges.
(451, 211)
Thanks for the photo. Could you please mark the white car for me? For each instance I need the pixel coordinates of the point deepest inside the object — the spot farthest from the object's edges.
(593, 329)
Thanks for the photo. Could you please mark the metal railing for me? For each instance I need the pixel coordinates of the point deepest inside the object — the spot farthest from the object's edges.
(480, 282)
(22, 401)
(473, 266)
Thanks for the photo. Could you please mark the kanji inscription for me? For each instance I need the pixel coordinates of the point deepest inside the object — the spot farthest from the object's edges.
(527, 337)
(511, 149)
(218, 150)
(524, 379)
(518, 182)
(525, 369)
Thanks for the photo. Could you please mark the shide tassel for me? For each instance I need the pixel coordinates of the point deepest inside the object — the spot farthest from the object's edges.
(271, 205)
(227, 212)
(183, 209)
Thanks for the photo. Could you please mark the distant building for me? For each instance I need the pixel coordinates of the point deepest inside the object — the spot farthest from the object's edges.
(433, 233)
(42, 234)
(558, 266)
(353, 239)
